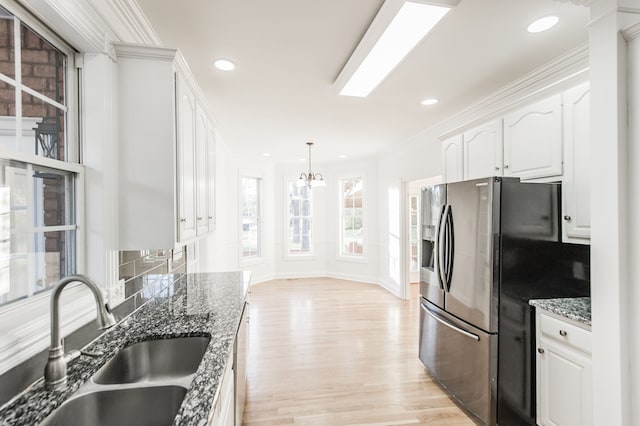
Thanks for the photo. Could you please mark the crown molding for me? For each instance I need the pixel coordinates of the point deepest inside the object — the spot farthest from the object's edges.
(557, 75)
(632, 33)
(142, 51)
(127, 21)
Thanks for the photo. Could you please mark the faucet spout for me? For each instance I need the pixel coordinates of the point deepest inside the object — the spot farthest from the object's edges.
(55, 372)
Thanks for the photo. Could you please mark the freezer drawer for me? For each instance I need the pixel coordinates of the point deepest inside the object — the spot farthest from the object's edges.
(461, 358)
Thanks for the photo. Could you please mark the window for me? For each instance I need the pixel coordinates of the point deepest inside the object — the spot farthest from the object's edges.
(250, 217)
(300, 238)
(38, 179)
(351, 217)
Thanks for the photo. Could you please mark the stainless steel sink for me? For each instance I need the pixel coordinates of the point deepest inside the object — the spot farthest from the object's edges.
(143, 384)
(154, 360)
(142, 406)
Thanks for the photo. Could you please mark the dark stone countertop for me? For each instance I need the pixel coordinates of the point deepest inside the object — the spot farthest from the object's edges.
(573, 308)
(206, 304)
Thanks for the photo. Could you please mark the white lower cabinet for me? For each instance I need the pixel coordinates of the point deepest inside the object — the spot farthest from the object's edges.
(563, 388)
(223, 410)
(229, 407)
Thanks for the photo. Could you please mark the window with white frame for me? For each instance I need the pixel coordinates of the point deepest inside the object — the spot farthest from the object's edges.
(38, 159)
(414, 238)
(300, 208)
(352, 217)
(251, 229)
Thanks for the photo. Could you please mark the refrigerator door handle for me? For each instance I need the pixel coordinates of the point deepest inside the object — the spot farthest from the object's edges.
(450, 242)
(439, 260)
(451, 326)
(442, 245)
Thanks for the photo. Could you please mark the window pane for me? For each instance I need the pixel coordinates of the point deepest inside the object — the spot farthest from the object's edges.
(31, 259)
(47, 124)
(352, 217)
(53, 198)
(42, 65)
(300, 220)
(7, 45)
(250, 217)
(8, 116)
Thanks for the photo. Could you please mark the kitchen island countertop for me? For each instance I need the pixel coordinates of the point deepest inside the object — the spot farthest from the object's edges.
(203, 304)
(573, 308)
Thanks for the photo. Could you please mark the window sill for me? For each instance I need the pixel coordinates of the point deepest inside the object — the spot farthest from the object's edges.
(352, 259)
(300, 257)
(251, 261)
(25, 325)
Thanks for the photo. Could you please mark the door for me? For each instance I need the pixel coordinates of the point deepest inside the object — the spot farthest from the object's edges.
(433, 201)
(201, 171)
(461, 358)
(533, 140)
(482, 149)
(452, 159)
(186, 161)
(576, 186)
(472, 293)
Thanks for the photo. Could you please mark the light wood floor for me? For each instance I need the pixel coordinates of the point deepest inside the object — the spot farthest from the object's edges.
(331, 352)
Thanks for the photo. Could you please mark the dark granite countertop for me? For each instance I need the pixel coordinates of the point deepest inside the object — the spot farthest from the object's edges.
(207, 304)
(574, 308)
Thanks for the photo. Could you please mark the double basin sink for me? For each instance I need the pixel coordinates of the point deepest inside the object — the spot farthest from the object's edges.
(143, 384)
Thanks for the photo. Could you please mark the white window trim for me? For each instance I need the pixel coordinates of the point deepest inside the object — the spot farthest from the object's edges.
(364, 257)
(286, 256)
(259, 259)
(25, 323)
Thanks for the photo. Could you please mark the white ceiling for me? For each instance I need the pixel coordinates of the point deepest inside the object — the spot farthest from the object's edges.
(289, 52)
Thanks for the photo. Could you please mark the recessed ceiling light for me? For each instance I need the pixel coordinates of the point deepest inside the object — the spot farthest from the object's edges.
(224, 64)
(397, 28)
(342, 156)
(543, 24)
(266, 154)
(430, 101)
(302, 159)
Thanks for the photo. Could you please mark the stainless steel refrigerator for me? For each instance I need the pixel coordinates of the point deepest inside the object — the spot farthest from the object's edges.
(488, 246)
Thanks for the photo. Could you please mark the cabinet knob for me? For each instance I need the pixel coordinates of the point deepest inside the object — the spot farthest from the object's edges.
(540, 350)
(497, 168)
(567, 218)
(199, 218)
(506, 166)
(210, 217)
(563, 333)
(183, 219)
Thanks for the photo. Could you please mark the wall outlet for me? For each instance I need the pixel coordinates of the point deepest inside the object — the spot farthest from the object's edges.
(117, 293)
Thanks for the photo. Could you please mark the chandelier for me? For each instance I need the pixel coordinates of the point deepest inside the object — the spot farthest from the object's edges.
(309, 178)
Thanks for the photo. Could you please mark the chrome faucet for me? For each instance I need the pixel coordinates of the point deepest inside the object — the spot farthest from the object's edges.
(55, 372)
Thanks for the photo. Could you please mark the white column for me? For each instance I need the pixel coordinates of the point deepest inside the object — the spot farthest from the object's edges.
(611, 240)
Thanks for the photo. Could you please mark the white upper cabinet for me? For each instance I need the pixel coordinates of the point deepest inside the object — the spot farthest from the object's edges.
(187, 167)
(211, 180)
(452, 159)
(533, 140)
(163, 160)
(482, 148)
(202, 160)
(576, 204)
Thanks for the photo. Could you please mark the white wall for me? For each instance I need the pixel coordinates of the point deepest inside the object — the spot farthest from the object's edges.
(325, 260)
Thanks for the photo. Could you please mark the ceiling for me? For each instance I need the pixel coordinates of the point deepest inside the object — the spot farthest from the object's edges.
(289, 52)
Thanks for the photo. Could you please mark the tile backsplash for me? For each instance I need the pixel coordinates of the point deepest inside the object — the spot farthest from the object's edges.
(145, 273)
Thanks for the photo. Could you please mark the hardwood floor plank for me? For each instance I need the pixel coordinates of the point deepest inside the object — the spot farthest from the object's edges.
(332, 352)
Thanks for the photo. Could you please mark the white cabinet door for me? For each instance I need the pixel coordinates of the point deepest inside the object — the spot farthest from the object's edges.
(482, 148)
(533, 140)
(452, 159)
(223, 411)
(576, 206)
(563, 379)
(202, 160)
(186, 149)
(242, 347)
(211, 180)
